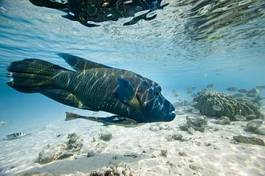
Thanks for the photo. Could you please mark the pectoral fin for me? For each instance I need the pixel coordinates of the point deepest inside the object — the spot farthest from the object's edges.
(64, 97)
(124, 91)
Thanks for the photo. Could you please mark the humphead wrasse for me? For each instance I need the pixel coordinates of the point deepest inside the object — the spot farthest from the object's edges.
(93, 86)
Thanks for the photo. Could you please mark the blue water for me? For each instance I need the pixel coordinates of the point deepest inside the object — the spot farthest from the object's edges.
(173, 50)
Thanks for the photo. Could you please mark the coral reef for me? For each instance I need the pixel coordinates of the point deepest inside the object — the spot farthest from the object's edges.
(249, 140)
(113, 171)
(50, 153)
(194, 124)
(219, 104)
(255, 126)
(74, 142)
(105, 136)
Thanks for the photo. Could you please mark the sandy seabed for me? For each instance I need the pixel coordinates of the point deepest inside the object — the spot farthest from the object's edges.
(147, 150)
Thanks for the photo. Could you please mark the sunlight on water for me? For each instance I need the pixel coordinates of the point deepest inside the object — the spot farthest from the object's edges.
(189, 45)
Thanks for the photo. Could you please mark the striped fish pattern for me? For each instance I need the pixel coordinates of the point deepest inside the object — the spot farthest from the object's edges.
(93, 86)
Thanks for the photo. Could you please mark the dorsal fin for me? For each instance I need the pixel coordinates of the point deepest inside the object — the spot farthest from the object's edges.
(79, 63)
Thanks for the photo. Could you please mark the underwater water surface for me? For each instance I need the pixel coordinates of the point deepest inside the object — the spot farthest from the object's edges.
(189, 44)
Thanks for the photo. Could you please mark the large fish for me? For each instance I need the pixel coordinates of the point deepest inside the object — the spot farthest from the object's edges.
(93, 86)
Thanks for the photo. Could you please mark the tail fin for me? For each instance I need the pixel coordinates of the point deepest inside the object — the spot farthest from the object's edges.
(71, 116)
(33, 75)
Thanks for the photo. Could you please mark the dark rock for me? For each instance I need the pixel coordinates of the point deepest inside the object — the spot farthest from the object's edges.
(131, 155)
(58, 135)
(74, 142)
(182, 154)
(249, 140)
(105, 136)
(195, 123)
(91, 154)
(253, 125)
(163, 153)
(194, 167)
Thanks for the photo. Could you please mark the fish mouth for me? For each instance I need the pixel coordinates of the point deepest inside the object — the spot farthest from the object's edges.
(171, 115)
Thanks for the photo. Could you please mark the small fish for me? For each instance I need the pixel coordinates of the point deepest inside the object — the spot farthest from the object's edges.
(3, 123)
(93, 86)
(216, 108)
(231, 89)
(15, 136)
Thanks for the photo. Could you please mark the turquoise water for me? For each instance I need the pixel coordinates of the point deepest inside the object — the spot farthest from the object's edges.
(189, 44)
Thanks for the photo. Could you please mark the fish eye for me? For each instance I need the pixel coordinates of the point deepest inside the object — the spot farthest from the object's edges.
(156, 93)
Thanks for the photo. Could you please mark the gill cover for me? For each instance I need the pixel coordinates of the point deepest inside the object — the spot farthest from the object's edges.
(125, 92)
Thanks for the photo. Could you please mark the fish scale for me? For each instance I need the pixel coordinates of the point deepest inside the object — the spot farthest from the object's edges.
(93, 86)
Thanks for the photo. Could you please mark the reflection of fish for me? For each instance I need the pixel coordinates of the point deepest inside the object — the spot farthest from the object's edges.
(86, 11)
(15, 136)
(93, 86)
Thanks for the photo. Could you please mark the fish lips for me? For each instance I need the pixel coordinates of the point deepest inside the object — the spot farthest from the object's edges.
(164, 114)
(171, 116)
